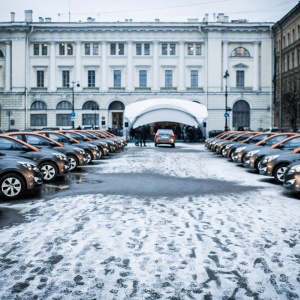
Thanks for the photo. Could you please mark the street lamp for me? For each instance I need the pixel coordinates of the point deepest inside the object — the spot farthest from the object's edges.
(226, 115)
(95, 108)
(73, 101)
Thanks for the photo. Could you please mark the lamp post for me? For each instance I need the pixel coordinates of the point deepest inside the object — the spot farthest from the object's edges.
(226, 115)
(73, 101)
(95, 108)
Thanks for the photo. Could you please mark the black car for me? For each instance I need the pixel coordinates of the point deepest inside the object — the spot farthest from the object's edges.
(52, 163)
(18, 175)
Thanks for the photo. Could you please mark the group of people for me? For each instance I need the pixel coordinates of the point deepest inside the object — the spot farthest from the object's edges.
(186, 133)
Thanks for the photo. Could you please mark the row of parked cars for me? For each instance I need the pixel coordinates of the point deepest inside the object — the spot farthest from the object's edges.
(274, 154)
(29, 159)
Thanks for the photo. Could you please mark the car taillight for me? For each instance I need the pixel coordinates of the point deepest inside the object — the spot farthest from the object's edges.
(173, 136)
(156, 136)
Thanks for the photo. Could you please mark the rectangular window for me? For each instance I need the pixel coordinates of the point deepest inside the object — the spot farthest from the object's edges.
(194, 78)
(168, 78)
(95, 49)
(172, 49)
(117, 78)
(138, 48)
(61, 49)
(142, 78)
(91, 78)
(44, 49)
(65, 78)
(164, 49)
(113, 48)
(198, 49)
(190, 49)
(36, 49)
(70, 49)
(87, 49)
(121, 49)
(146, 49)
(63, 120)
(240, 79)
(40, 78)
(38, 120)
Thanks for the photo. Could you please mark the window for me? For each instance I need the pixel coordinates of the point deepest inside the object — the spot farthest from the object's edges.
(65, 78)
(38, 120)
(293, 36)
(194, 78)
(90, 105)
(168, 49)
(117, 49)
(298, 52)
(36, 49)
(70, 49)
(168, 78)
(64, 105)
(40, 78)
(63, 120)
(194, 49)
(95, 49)
(38, 105)
(61, 49)
(240, 52)
(44, 49)
(138, 49)
(298, 31)
(293, 60)
(91, 78)
(172, 49)
(164, 49)
(288, 39)
(1, 53)
(117, 78)
(142, 78)
(146, 49)
(240, 79)
(87, 49)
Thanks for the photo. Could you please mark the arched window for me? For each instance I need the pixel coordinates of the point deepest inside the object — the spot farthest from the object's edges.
(241, 114)
(240, 52)
(38, 105)
(1, 54)
(90, 105)
(64, 105)
(116, 105)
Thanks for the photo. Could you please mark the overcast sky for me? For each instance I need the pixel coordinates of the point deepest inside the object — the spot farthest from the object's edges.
(146, 10)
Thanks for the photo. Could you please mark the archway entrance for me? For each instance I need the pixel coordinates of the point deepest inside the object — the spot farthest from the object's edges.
(116, 110)
(241, 114)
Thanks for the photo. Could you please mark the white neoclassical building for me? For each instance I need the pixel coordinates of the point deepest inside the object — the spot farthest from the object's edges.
(63, 74)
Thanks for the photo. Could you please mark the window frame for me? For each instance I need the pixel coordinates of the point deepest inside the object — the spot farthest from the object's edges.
(91, 78)
(142, 78)
(168, 78)
(117, 78)
(40, 78)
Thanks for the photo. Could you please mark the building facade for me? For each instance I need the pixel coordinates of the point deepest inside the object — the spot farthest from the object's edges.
(287, 67)
(55, 74)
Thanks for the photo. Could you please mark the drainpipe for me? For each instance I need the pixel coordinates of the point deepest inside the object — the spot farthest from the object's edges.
(26, 75)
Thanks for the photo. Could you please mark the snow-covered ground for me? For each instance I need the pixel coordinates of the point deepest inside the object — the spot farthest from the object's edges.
(231, 245)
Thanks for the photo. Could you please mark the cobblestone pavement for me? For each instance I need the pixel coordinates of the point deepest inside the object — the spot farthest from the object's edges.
(224, 233)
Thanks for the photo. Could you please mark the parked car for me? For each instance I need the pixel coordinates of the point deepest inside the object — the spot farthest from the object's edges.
(217, 142)
(52, 163)
(164, 136)
(76, 156)
(254, 156)
(18, 175)
(215, 132)
(209, 141)
(276, 164)
(92, 151)
(291, 177)
(242, 135)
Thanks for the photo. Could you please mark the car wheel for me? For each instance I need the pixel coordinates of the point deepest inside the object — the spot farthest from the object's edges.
(279, 171)
(256, 165)
(173, 145)
(49, 171)
(89, 156)
(12, 186)
(231, 154)
(155, 145)
(101, 152)
(73, 162)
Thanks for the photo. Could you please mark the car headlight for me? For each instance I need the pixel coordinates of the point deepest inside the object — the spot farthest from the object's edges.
(28, 165)
(252, 152)
(270, 158)
(228, 146)
(239, 149)
(79, 150)
(294, 169)
(60, 156)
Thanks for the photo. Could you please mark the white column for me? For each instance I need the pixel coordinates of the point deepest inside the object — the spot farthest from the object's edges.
(104, 66)
(181, 71)
(155, 74)
(78, 78)
(256, 67)
(129, 84)
(8, 66)
(225, 62)
(52, 68)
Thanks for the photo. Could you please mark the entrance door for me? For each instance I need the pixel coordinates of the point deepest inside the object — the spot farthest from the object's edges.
(117, 120)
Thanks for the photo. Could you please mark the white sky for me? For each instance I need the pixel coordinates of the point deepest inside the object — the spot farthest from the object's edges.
(146, 10)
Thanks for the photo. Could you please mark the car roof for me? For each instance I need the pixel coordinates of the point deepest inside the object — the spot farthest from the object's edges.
(21, 142)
